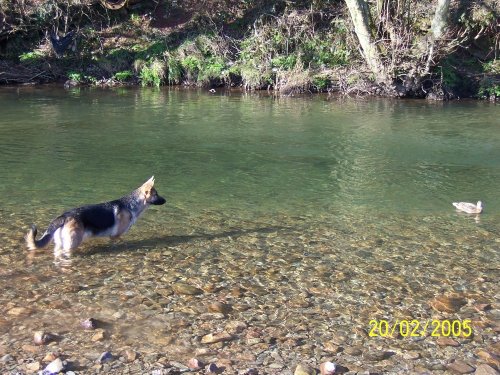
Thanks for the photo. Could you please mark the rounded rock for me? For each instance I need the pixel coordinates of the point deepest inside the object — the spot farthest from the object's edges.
(327, 368)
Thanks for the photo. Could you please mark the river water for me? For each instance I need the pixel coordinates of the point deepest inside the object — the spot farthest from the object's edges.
(290, 224)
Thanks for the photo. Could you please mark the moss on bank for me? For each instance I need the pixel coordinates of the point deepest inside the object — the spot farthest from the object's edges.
(304, 46)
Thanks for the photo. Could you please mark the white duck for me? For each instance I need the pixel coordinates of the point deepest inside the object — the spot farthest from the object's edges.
(469, 208)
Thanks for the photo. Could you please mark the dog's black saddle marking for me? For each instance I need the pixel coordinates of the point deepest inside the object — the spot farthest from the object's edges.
(97, 218)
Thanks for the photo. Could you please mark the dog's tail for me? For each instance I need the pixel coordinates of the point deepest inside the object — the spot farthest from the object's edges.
(30, 237)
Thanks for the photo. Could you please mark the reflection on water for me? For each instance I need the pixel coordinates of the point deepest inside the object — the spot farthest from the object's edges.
(308, 217)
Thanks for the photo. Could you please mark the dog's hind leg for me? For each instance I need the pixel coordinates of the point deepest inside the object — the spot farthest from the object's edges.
(58, 243)
(69, 237)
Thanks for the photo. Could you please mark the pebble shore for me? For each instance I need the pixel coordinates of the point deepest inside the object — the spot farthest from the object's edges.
(282, 295)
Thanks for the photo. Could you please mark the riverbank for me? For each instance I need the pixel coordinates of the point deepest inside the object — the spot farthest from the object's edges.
(255, 45)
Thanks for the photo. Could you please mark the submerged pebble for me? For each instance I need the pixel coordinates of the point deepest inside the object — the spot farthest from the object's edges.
(327, 368)
(54, 367)
(303, 369)
(194, 364)
(89, 323)
(104, 357)
(211, 368)
(42, 338)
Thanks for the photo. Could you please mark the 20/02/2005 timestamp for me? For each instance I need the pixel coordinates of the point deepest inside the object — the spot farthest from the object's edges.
(417, 328)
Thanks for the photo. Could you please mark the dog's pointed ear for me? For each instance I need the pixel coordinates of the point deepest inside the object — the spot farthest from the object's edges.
(148, 184)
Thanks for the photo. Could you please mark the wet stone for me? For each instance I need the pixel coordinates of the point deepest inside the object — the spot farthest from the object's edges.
(449, 304)
(33, 366)
(130, 355)
(250, 371)
(211, 368)
(235, 327)
(6, 358)
(194, 364)
(219, 307)
(486, 370)
(327, 368)
(98, 336)
(331, 347)
(447, 341)
(17, 311)
(89, 323)
(376, 355)
(50, 356)
(104, 357)
(482, 307)
(412, 355)
(31, 348)
(276, 365)
(212, 338)
(186, 289)
(490, 358)
(54, 367)
(460, 367)
(355, 351)
(303, 369)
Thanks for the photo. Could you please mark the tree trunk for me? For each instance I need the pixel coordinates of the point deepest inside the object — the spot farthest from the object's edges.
(438, 27)
(360, 16)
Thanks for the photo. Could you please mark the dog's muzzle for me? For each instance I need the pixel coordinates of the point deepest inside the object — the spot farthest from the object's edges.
(158, 200)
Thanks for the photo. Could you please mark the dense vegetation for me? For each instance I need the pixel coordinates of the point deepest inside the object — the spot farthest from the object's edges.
(409, 48)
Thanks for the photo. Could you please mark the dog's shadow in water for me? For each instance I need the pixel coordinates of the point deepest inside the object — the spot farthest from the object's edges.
(123, 245)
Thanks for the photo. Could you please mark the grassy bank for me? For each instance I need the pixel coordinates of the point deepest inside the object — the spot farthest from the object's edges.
(288, 47)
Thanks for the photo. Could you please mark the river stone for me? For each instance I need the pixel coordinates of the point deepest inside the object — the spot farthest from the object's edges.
(33, 366)
(31, 348)
(186, 289)
(54, 367)
(353, 350)
(449, 304)
(331, 347)
(250, 371)
(236, 326)
(17, 311)
(49, 357)
(89, 323)
(211, 368)
(486, 370)
(412, 355)
(98, 336)
(194, 364)
(447, 341)
(254, 341)
(460, 367)
(276, 365)
(303, 369)
(489, 358)
(6, 358)
(482, 307)
(327, 368)
(130, 355)
(104, 357)
(219, 307)
(212, 338)
(376, 355)
(42, 338)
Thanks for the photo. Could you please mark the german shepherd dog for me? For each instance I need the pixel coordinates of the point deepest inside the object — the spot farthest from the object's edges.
(111, 219)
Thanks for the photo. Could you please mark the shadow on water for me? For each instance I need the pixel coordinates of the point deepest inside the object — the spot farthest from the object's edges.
(155, 242)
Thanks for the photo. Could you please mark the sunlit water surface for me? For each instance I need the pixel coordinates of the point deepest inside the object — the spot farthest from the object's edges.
(310, 212)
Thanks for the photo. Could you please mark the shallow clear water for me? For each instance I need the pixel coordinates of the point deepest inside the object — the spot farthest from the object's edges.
(324, 212)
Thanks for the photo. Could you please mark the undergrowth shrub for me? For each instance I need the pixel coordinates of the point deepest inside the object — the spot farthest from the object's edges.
(289, 49)
(152, 73)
